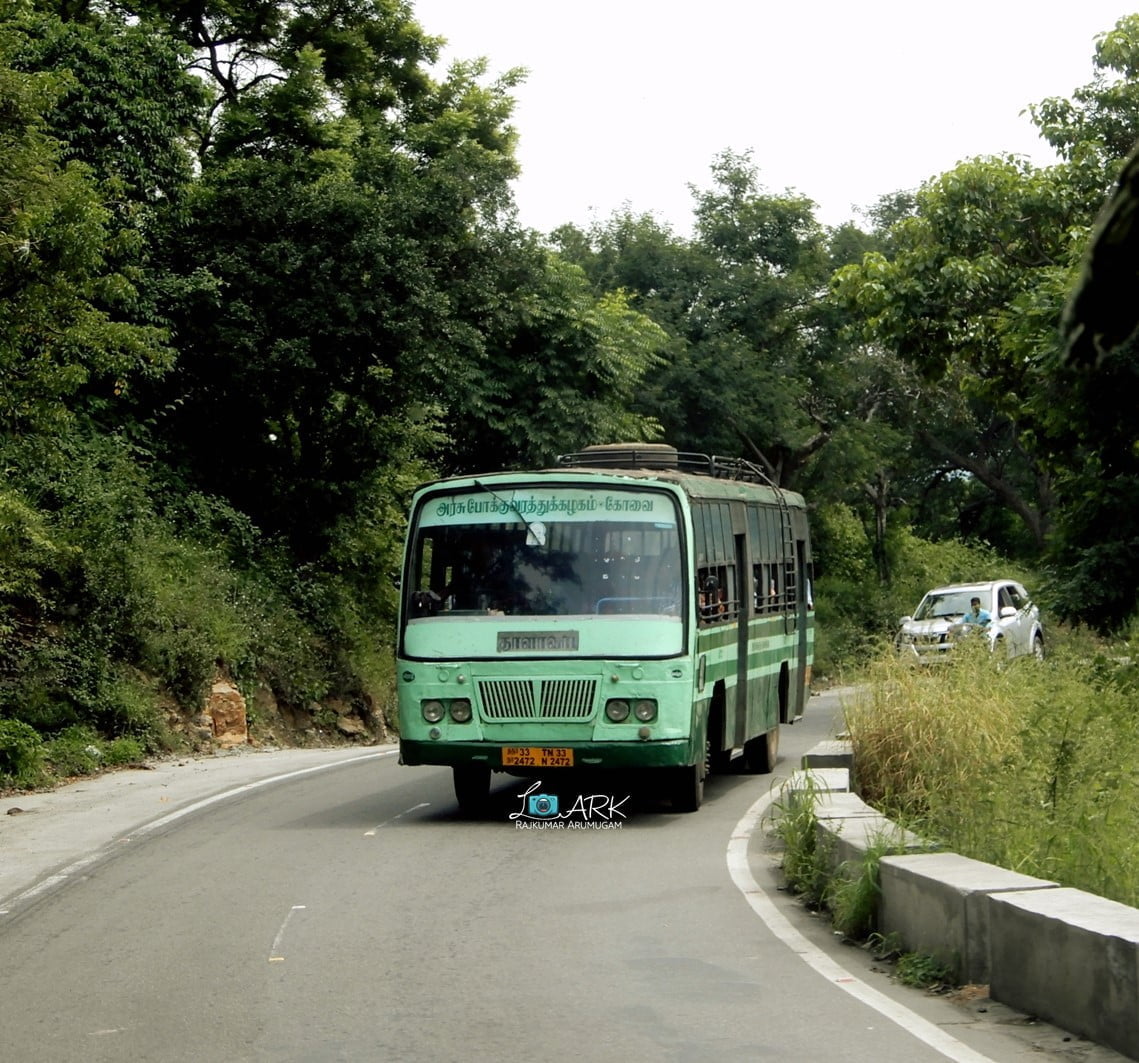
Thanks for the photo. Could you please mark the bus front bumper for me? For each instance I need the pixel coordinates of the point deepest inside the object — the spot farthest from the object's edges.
(590, 755)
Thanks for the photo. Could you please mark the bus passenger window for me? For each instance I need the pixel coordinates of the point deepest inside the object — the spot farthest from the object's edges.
(729, 593)
(708, 596)
(716, 587)
(758, 589)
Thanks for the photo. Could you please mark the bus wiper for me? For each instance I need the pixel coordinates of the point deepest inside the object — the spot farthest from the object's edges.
(535, 532)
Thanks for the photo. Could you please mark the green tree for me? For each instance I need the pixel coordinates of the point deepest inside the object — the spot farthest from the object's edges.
(971, 293)
(986, 239)
(737, 302)
(359, 285)
(558, 368)
(1087, 410)
(125, 102)
(65, 313)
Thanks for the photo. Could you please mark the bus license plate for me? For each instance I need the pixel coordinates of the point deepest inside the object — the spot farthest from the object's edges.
(536, 757)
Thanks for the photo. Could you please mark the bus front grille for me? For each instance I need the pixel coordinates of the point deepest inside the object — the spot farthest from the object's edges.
(537, 699)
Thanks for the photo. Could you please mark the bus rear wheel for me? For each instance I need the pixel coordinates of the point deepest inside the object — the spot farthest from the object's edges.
(760, 754)
(472, 787)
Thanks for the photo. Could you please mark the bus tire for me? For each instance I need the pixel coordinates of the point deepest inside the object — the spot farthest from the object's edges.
(687, 788)
(719, 758)
(472, 787)
(761, 753)
(719, 761)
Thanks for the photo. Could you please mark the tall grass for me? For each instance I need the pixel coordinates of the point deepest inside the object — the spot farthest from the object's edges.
(1033, 766)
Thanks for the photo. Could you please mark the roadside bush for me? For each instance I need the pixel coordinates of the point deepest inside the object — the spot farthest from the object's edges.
(849, 893)
(46, 680)
(75, 751)
(128, 706)
(21, 754)
(853, 892)
(1029, 765)
(184, 621)
(852, 623)
(804, 865)
(122, 751)
(29, 554)
(122, 595)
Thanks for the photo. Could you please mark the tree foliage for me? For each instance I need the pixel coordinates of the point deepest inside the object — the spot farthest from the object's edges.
(261, 275)
(261, 272)
(744, 366)
(64, 314)
(971, 295)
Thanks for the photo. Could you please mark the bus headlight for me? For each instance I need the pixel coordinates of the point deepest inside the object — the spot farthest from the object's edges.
(461, 710)
(617, 710)
(645, 710)
(432, 711)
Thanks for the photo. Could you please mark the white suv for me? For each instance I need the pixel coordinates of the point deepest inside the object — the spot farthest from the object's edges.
(929, 634)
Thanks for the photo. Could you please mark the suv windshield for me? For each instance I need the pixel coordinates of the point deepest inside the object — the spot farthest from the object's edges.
(944, 604)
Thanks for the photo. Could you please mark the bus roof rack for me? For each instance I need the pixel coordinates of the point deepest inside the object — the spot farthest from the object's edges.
(663, 456)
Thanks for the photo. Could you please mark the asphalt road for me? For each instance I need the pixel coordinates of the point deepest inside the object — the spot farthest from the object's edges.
(348, 912)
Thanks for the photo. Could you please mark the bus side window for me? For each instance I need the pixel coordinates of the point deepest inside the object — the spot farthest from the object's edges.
(768, 593)
(729, 592)
(708, 595)
(766, 588)
(718, 597)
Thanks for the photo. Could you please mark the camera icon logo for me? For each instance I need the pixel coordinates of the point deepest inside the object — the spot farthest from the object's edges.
(544, 805)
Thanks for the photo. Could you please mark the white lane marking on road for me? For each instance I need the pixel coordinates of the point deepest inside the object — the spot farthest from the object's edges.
(407, 811)
(275, 949)
(816, 958)
(74, 869)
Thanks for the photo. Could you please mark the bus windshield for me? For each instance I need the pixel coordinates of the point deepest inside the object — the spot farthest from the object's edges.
(560, 552)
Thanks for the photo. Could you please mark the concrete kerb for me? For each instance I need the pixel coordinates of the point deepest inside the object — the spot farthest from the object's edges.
(836, 753)
(1071, 958)
(1064, 955)
(937, 904)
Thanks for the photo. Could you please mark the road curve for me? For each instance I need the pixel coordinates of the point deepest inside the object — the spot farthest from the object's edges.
(353, 914)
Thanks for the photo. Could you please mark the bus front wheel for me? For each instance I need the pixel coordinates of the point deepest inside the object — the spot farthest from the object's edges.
(761, 753)
(472, 787)
(687, 787)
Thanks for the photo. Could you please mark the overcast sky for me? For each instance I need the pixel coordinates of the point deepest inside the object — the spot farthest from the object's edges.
(629, 101)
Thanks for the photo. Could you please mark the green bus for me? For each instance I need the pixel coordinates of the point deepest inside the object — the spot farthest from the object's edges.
(631, 608)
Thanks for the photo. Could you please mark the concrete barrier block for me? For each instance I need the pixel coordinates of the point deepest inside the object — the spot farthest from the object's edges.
(1071, 958)
(820, 780)
(808, 786)
(836, 753)
(937, 904)
(850, 837)
(842, 806)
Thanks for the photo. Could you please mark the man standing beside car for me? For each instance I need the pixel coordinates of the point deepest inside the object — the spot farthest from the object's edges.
(976, 615)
